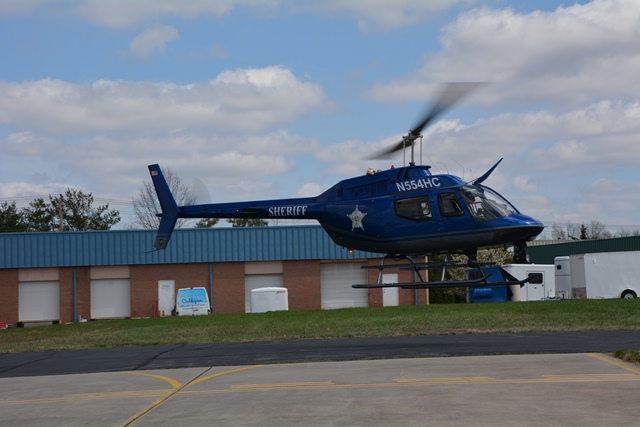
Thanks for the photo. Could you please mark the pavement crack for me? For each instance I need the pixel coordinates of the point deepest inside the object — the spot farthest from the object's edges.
(156, 356)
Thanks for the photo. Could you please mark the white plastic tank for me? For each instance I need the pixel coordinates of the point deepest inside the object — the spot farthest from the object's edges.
(269, 299)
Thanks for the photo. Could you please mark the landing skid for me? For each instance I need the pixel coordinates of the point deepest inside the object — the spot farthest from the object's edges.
(422, 284)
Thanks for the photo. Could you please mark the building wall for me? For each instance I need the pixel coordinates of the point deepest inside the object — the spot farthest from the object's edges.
(9, 295)
(301, 278)
(228, 287)
(144, 283)
(83, 292)
(406, 296)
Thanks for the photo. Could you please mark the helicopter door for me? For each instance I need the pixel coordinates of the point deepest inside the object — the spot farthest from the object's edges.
(450, 209)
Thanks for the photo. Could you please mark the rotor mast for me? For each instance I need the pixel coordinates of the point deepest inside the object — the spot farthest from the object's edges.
(451, 94)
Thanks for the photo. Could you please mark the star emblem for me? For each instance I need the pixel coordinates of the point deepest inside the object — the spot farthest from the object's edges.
(356, 218)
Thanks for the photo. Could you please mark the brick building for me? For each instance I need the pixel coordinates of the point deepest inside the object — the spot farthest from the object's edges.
(61, 277)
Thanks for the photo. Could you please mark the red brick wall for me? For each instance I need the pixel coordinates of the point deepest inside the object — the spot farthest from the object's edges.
(406, 296)
(228, 288)
(83, 286)
(83, 292)
(9, 296)
(302, 280)
(144, 283)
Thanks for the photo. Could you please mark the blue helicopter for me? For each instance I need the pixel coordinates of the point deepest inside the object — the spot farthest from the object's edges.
(401, 212)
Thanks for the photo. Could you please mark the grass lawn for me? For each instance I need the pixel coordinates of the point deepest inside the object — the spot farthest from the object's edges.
(435, 319)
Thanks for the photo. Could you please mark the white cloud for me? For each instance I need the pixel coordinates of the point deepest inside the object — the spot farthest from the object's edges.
(10, 7)
(26, 143)
(119, 14)
(27, 192)
(571, 55)
(310, 189)
(108, 131)
(217, 50)
(117, 164)
(384, 14)
(369, 14)
(243, 100)
(125, 13)
(525, 184)
(278, 142)
(152, 40)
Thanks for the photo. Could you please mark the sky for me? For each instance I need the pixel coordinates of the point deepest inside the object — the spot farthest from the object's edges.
(270, 99)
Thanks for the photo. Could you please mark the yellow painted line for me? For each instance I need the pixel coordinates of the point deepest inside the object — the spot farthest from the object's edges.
(180, 387)
(88, 396)
(445, 380)
(177, 387)
(619, 364)
(247, 388)
(171, 381)
(115, 394)
(275, 386)
(199, 380)
(543, 379)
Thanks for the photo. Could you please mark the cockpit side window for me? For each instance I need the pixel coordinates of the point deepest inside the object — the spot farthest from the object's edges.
(414, 208)
(485, 204)
(449, 204)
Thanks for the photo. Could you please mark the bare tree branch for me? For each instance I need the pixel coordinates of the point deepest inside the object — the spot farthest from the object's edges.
(146, 206)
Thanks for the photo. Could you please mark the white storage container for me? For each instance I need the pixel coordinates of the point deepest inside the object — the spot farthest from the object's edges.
(269, 299)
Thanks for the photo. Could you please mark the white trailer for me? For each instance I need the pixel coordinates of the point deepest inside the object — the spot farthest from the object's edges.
(598, 275)
(541, 284)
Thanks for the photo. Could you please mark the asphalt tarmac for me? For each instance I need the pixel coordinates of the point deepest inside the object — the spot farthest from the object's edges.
(261, 352)
(538, 379)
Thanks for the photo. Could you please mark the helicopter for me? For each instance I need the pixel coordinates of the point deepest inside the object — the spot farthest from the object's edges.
(401, 212)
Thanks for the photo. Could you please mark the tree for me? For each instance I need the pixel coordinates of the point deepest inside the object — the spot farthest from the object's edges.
(38, 216)
(207, 222)
(11, 219)
(571, 231)
(626, 232)
(78, 213)
(248, 222)
(146, 206)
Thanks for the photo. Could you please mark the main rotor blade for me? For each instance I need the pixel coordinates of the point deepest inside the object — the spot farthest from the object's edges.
(450, 94)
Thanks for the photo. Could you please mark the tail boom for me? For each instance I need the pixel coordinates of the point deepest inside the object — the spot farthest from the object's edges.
(299, 208)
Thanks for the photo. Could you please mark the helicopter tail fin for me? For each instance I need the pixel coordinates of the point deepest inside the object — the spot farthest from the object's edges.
(170, 209)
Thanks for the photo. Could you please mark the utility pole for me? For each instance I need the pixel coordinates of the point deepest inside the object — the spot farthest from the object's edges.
(60, 212)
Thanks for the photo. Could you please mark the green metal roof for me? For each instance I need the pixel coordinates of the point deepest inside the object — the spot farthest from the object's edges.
(545, 254)
(131, 247)
(134, 247)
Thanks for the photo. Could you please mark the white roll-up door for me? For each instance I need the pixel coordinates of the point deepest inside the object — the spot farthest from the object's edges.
(257, 281)
(335, 285)
(39, 301)
(110, 298)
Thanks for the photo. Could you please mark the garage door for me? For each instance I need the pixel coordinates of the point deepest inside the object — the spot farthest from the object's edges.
(335, 285)
(257, 281)
(110, 298)
(38, 301)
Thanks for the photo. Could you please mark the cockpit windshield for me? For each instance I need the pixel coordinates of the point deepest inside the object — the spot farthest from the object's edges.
(485, 204)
